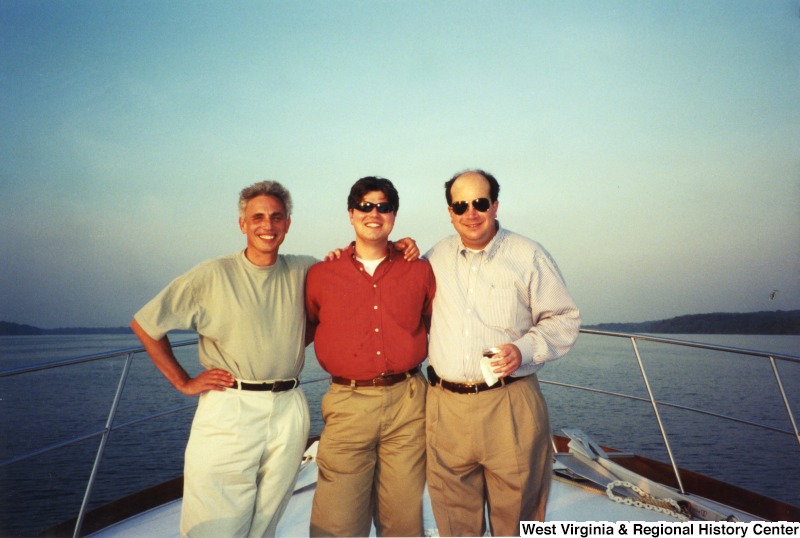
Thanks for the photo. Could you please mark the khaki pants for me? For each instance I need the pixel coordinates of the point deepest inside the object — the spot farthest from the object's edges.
(493, 447)
(371, 461)
(242, 459)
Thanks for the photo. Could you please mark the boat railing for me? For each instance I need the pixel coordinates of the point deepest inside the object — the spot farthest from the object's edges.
(658, 404)
(104, 433)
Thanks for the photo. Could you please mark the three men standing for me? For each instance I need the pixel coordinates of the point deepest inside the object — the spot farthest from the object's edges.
(372, 309)
(487, 443)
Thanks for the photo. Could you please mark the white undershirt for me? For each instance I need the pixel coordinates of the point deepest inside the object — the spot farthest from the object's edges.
(370, 265)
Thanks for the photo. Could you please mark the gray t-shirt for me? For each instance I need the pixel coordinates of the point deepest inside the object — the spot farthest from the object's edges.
(250, 320)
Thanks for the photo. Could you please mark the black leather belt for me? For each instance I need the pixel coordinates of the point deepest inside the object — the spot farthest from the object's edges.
(380, 381)
(277, 386)
(467, 388)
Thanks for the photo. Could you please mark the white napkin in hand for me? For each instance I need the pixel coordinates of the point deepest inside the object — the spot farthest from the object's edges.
(486, 369)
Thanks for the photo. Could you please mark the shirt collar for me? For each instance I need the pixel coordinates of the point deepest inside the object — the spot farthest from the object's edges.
(391, 252)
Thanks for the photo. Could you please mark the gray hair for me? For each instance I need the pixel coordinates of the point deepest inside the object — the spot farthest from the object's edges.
(265, 188)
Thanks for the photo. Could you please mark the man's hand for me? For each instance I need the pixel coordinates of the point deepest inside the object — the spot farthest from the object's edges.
(405, 245)
(408, 247)
(334, 254)
(214, 379)
(506, 360)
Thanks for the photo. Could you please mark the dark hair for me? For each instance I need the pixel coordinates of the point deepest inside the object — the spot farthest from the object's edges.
(494, 186)
(369, 184)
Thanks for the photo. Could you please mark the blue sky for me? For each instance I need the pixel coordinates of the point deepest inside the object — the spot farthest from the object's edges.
(653, 147)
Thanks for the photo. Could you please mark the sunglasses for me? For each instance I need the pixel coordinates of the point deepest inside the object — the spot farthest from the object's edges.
(480, 204)
(367, 207)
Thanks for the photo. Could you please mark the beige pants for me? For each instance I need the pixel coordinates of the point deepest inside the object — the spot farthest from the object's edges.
(371, 461)
(242, 459)
(494, 448)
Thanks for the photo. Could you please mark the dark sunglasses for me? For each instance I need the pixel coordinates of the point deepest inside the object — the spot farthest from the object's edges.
(366, 207)
(480, 204)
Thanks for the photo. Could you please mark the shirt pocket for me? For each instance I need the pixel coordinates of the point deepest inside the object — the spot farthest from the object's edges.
(500, 307)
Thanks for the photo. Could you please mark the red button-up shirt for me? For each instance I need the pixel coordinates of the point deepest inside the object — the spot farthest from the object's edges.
(370, 325)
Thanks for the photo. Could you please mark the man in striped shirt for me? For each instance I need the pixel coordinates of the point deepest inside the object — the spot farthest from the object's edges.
(498, 294)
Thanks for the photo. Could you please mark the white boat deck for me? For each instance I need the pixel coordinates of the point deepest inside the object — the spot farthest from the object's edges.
(569, 501)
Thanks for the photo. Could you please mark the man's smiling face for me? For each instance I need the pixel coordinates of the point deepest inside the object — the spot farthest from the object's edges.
(476, 228)
(372, 227)
(265, 223)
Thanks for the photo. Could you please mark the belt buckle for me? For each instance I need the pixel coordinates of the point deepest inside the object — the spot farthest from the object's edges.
(278, 385)
(381, 380)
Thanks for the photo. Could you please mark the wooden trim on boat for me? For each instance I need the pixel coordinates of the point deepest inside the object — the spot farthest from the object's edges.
(694, 483)
(126, 507)
(710, 488)
(121, 509)
(700, 485)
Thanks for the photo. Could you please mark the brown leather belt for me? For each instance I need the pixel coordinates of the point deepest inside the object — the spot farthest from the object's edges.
(380, 381)
(277, 386)
(467, 388)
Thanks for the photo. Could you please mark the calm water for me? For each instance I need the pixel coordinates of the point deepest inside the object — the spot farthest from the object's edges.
(39, 409)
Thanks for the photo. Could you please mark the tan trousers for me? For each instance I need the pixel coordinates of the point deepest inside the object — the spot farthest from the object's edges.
(371, 461)
(494, 448)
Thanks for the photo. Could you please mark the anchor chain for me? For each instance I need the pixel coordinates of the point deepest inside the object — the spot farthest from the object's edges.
(669, 507)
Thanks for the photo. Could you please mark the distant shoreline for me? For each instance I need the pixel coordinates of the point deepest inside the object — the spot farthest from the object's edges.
(8, 328)
(778, 322)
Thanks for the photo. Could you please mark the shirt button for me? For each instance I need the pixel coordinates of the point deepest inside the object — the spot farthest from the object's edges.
(375, 307)
(377, 330)
(379, 352)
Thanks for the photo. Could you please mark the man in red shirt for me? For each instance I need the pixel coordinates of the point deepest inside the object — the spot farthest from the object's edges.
(372, 309)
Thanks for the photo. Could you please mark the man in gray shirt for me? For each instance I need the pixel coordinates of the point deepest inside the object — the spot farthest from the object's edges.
(489, 441)
(252, 422)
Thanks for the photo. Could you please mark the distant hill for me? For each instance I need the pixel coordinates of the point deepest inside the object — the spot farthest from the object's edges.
(15, 329)
(777, 322)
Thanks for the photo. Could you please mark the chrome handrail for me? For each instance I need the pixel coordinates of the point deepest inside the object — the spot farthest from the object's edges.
(103, 440)
(723, 349)
(655, 403)
(109, 427)
(700, 345)
(39, 367)
(658, 416)
(130, 353)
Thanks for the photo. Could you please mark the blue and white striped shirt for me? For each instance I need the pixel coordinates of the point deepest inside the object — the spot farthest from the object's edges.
(510, 292)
